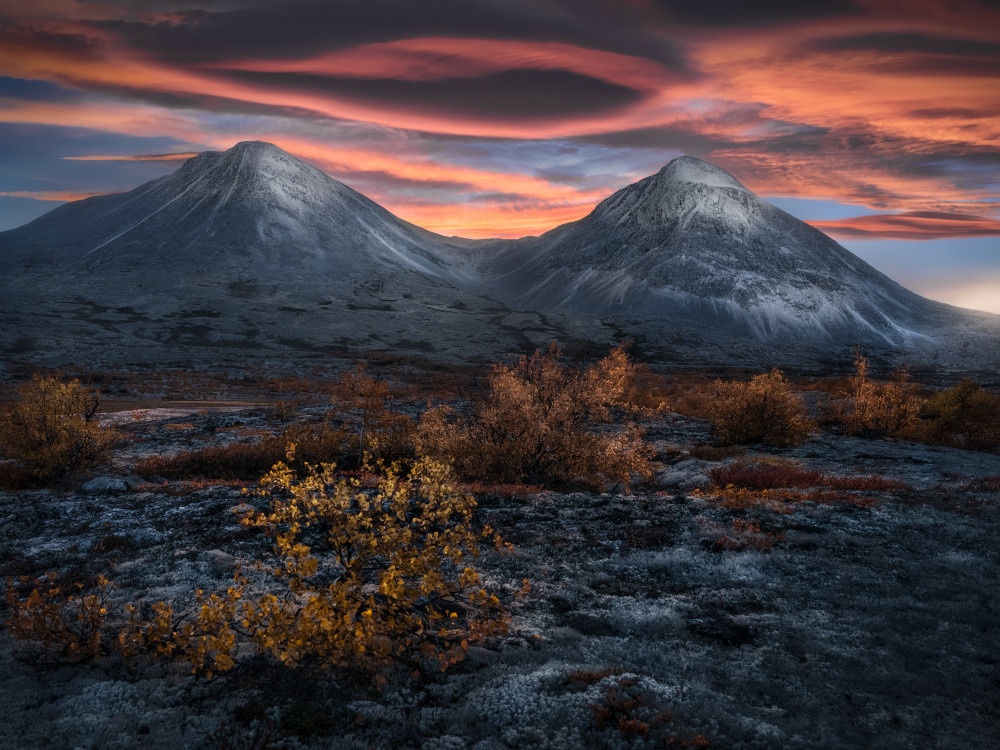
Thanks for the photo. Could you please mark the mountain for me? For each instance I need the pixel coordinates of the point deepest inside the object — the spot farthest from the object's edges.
(253, 250)
(249, 250)
(251, 212)
(692, 243)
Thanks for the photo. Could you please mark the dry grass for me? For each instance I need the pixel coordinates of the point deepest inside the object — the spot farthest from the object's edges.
(786, 475)
(248, 461)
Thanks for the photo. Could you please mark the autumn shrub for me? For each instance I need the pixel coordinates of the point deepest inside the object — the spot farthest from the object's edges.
(874, 409)
(965, 416)
(373, 581)
(51, 429)
(543, 422)
(378, 430)
(763, 410)
(373, 578)
(59, 623)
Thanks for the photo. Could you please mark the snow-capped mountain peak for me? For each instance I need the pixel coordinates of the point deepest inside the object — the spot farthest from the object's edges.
(690, 169)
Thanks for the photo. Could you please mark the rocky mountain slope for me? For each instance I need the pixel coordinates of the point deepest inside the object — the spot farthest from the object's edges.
(254, 251)
(691, 242)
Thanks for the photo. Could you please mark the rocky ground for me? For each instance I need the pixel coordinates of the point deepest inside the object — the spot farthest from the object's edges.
(660, 618)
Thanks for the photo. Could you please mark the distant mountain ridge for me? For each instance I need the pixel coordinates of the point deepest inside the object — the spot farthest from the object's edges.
(253, 251)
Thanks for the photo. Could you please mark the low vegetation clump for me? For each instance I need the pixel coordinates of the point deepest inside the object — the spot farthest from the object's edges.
(59, 623)
(626, 710)
(779, 484)
(248, 461)
(51, 430)
(743, 534)
(780, 500)
(964, 416)
(769, 474)
(764, 410)
(873, 409)
(371, 580)
(764, 475)
(543, 422)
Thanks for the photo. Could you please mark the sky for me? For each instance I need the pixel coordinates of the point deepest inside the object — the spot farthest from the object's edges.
(877, 121)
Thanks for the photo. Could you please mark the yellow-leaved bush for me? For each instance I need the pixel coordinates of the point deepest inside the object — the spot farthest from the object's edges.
(540, 422)
(58, 622)
(373, 578)
(367, 578)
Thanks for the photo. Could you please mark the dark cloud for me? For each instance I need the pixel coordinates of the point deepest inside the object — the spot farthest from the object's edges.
(914, 43)
(510, 95)
(26, 37)
(300, 28)
(942, 113)
(657, 137)
(931, 66)
(741, 13)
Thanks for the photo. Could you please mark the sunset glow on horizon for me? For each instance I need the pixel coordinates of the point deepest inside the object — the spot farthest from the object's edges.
(879, 120)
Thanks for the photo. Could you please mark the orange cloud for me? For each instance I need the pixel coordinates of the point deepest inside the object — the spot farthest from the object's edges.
(106, 65)
(910, 226)
(136, 157)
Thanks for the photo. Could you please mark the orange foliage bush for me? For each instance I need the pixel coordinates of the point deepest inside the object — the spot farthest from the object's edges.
(763, 410)
(873, 409)
(539, 423)
(379, 431)
(51, 429)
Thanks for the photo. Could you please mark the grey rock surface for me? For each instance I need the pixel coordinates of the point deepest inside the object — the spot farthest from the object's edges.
(106, 486)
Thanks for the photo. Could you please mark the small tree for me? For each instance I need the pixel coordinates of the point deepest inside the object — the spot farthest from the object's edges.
(875, 409)
(381, 432)
(763, 410)
(541, 422)
(51, 428)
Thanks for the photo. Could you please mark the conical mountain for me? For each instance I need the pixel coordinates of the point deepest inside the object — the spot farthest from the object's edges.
(692, 243)
(252, 211)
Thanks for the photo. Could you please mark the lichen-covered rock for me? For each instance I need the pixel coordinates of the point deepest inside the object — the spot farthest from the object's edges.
(106, 486)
